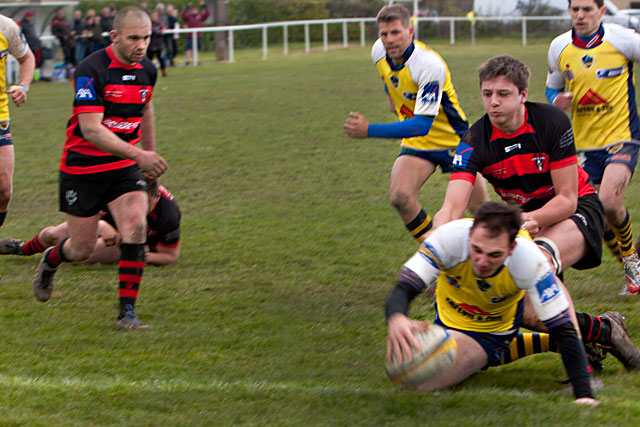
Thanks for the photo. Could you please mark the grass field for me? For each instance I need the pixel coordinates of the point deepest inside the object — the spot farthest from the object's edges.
(273, 316)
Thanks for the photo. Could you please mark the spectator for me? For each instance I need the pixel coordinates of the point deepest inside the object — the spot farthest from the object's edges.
(169, 23)
(80, 36)
(193, 18)
(30, 33)
(95, 28)
(106, 20)
(173, 13)
(155, 45)
(62, 30)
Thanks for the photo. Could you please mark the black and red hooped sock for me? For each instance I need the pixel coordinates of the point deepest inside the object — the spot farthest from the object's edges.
(55, 256)
(130, 269)
(594, 329)
(33, 246)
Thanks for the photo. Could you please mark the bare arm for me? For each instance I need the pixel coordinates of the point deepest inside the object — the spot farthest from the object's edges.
(561, 206)
(163, 255)
(18, 92)
(148, 128)
(455, 202)
(100, 136)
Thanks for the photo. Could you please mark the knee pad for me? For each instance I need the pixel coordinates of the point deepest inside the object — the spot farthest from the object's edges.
(549, 247)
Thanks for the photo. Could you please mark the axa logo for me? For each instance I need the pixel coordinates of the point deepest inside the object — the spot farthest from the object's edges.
(587, 61)
(547, 288)
(430, 92)
(85, 90)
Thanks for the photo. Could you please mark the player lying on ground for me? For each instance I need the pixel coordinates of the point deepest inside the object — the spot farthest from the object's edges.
(163, 234)
(484, 266)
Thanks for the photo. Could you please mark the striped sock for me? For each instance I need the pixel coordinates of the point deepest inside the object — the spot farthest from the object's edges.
(625, 236)
(419, 225)
(612, 243)
(593, 329)
(130, 269)
(55, 256)
(3, 216)
(526, 344)
(33, 246)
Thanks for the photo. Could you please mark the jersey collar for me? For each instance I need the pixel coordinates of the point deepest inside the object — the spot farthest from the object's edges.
(405, 56)
(524, 128)
(588, 42)
(119, 64)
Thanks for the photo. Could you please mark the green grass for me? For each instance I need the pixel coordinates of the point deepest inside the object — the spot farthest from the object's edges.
(273, 315)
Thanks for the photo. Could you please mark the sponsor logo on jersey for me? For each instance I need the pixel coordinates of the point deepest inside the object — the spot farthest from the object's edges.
(84, 89)
(567, 73)
(463, 153)
(120, 125)
(395, 81)
(409, 96)
(512, 147)
(539, 160)
(592, 103)
(453, 281)
(472, 312)
(430, 93)
(548, 289)
(592, 98)
(615, 148)
(587, 61)
(431, 255)
(608, 73)
(143, 94)
(128, 78)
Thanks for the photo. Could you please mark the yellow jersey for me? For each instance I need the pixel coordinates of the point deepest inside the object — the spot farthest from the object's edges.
(422, 86)
(11, 42)
(599, 72)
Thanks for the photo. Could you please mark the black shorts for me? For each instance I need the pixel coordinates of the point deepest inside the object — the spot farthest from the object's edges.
(86, 195)
(589, 217)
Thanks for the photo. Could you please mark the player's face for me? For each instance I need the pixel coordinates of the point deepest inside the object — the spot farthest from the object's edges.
(395, 37)
(130, 44)
(503, 103)
(586, 16)
(488, 253)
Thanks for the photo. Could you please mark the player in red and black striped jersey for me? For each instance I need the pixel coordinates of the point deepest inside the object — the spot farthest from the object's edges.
(526, 151)
(163, 234)
(101, 165)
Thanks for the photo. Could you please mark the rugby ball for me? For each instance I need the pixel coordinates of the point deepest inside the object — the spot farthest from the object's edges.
(438, 351)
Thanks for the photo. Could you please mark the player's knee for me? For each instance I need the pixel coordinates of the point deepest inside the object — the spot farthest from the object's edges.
(5, 195)
(399, 199)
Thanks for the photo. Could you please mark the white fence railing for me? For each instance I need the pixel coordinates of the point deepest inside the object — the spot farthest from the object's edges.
(285, 25)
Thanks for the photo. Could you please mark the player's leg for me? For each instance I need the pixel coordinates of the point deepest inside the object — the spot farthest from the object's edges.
(408, 175)
(470, 358)
(6, 171)
(129, 211)
(45, 238)
(103, 254)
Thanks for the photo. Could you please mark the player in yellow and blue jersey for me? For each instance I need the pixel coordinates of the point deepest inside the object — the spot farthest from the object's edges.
(591, 76)
(12, 42)
(431, 122)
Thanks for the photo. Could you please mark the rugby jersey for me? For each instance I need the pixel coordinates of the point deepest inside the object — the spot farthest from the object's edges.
(422, 85)
(518, 165)
(120, 92)
(600, 75)
(11, 42)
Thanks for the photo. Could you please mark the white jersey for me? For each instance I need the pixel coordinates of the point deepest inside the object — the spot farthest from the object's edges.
(465, 301)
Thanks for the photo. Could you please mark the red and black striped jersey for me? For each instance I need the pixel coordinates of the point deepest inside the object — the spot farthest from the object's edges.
(518, 165)
(120, 92)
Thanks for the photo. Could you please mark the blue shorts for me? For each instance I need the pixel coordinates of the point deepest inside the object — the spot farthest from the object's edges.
(442, 158)
(495, 345)
(5, 134)
(594, 161)
(188, 43)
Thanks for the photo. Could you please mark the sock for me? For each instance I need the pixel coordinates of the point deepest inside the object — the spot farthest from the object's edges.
(130, 270)
(33, 246)
(3, 216)
(594, 330)
(526, 344)
(625, 236)
(55, 256)
(612, 243)
(419, 225)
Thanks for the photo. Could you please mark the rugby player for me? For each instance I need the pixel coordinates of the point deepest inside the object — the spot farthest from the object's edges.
(101, 166)
(591, 76)
(163, 234)
(11, 42)
(431, 122)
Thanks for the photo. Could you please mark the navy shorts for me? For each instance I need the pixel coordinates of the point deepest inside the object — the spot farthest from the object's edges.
(188, 43)
(5, 134)
(594, 161)
(442, 158)
(86, 195)
(495, 345)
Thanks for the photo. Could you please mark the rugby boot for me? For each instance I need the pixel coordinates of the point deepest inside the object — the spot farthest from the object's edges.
(632, 272)
(130, 322)
(43, 279)
(622, 348)
(626, 291)
(11, 246)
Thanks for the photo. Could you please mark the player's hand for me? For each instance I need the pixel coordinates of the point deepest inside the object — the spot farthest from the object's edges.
(587, 401)
(530, 224)
(151, 163)
(356, 126)
(400, 337)
(563, 101)
(18, 95)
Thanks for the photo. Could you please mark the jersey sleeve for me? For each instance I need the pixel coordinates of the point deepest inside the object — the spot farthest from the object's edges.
(429, 73)
(625, 40)
(89, 97)
(530, 271)
(467, 160)
(560, 140)
(377, 51)
(18, 46)
(555, 79)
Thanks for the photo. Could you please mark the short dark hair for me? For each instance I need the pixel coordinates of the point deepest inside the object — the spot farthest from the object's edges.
(122, 15)
(394, 12)
(600, 3)
(498, 218)
(508, 67)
